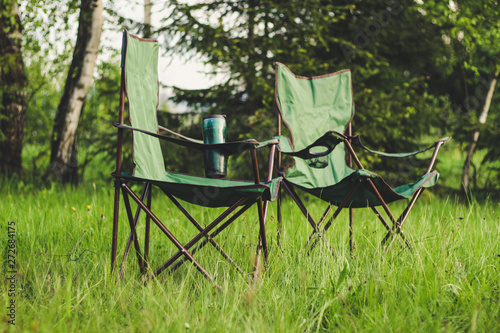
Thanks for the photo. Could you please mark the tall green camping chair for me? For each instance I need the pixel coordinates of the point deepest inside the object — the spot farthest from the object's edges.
(139, 84)
(318, 112)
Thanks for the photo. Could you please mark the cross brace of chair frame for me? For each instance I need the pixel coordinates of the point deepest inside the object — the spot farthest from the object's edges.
(207, 234)
(397, 225)
(184, 252)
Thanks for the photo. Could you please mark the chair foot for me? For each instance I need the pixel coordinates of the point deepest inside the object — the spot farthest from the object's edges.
(257, 265)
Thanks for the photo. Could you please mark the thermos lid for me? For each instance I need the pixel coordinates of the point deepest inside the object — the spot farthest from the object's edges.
(214, 116)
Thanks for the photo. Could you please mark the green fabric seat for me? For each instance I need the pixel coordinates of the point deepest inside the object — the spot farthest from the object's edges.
(208, 192)
(364, 196)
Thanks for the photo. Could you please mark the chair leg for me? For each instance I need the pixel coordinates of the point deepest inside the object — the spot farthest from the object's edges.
(304, 211)
(334, 216)
(148, 229)
(323, 218)
(386, 225)
(381, 218)
(202, 244)
(262, 241)
(351, 231)
(262, 229)
(116, 211)
(389, 213)
(325, 214)
(184, 249)
(132, 223)
(167, 233)
(301, 206)
(131, 235)
(402, 218)
(256, 265)
(200, 229)
(278, 213)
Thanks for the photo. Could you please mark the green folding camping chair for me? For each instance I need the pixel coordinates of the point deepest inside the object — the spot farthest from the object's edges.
(139, 83)
(322, 153)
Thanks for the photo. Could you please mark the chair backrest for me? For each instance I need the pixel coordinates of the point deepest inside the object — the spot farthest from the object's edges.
(140, 63)
(309, 107)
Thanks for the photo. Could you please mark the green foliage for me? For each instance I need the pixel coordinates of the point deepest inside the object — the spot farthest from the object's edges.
(49, 34)
(471, 39)
(43, 97)
(420, 72)
(12, 88)
(388, 48)
(47, 46)
(96, 135)
(243, 40)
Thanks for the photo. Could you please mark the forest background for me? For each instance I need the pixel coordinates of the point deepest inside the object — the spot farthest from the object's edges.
(421, 70)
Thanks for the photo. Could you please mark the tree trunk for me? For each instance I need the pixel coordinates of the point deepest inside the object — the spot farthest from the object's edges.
(475, 136)
(147, 19)
(63, 162)
(13, 84)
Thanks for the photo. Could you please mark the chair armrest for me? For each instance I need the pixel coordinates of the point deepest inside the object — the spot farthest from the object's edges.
(328, 141)
(331, 139)
(260, 144)
(179, 135)
(356, 140)
(227, 148)
(272, 142)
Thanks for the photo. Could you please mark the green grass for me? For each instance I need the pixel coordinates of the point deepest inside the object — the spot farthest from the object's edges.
(449, 282)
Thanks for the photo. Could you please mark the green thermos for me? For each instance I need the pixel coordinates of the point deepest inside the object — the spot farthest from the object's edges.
(214, 131)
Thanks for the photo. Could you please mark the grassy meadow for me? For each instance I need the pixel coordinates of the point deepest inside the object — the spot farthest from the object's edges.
(449, 282)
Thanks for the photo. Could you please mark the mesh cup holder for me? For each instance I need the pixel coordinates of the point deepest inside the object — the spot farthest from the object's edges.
(319, 159)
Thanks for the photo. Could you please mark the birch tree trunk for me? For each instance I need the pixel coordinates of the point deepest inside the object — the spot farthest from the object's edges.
(475, 136)
(147, 19)
(63, 157)
(13, 84)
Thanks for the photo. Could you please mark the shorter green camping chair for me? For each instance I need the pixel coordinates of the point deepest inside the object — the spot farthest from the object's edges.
(318, 112)
(139, 85)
